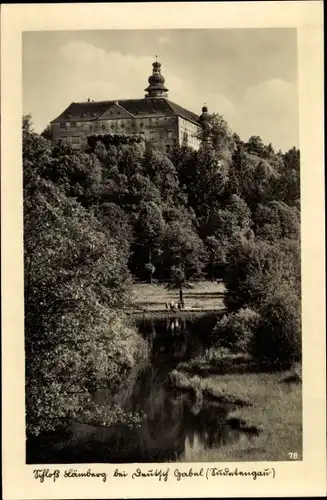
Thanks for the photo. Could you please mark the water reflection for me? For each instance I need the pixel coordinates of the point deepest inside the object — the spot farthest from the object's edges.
(174, 338)
(176, 424)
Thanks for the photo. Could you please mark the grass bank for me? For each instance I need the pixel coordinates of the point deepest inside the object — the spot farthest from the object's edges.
(275, 409)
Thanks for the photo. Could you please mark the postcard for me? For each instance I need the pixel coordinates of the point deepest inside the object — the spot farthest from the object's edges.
(163, 283)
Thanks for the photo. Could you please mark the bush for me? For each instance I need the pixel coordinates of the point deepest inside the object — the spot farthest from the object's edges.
(277, 340)
(257, 268)
(235, 331)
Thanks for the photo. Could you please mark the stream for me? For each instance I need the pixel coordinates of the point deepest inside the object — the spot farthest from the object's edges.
(175, 426)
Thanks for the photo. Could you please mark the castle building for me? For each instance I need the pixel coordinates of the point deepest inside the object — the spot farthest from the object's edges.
(158, 119)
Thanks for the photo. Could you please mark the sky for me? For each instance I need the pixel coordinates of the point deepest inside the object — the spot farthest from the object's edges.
(249, 76)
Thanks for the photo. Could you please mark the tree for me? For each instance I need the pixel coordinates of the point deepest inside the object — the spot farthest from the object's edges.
(255, 179)
(276, 220)
(183, 250)
(210, 184)
(47, 132)
(79, 174)
(148, 230)
(236, 331)
(256, 268)
(117, 223)
(277, 340)
(76, 281)
(255, 146)
(161, 171)
(288, 188)
(218, 134)
(225, 225)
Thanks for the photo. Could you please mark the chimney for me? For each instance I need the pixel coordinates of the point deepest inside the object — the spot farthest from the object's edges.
(88, 99)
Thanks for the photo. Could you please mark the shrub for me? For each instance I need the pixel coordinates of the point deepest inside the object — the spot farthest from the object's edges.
(277, 340)
(258, 268)
(235, 331)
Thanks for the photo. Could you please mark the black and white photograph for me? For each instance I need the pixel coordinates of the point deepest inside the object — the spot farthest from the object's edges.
(164, 273)
(162, 246)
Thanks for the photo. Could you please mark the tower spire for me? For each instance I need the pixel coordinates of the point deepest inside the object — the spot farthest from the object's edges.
(156, 81)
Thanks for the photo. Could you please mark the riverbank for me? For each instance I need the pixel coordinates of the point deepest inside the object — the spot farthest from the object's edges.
(271, 407)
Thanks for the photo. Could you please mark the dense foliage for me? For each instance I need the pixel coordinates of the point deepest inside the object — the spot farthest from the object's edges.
(76, 281)
(121, 209)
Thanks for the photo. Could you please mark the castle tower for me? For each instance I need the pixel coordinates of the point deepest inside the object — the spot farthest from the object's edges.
(157, 82)
(205, 118)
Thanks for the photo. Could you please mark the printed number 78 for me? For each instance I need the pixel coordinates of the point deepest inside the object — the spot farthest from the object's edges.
(293, 456)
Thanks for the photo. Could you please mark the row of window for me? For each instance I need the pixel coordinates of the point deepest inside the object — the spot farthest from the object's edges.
(153, 134)
(88, 125)
(189, 138)
(153, 121)
(74, 124)
(190, 126)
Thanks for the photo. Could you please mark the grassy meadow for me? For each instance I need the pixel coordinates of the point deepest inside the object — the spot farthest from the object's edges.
(276, 410)
(199, 295)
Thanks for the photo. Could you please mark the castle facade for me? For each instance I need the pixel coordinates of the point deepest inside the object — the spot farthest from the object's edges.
(159, 120)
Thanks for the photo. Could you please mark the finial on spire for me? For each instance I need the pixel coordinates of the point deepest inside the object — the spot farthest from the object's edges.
(157, 82)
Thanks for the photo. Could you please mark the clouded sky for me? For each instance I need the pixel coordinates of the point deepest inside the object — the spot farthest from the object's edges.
(247, 75)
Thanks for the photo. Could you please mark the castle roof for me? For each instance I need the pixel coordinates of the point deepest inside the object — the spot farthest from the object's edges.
(152, 107)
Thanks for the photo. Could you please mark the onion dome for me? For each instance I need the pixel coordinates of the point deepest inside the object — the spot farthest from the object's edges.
(204, 119)
(156, 66)
(156, 81)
